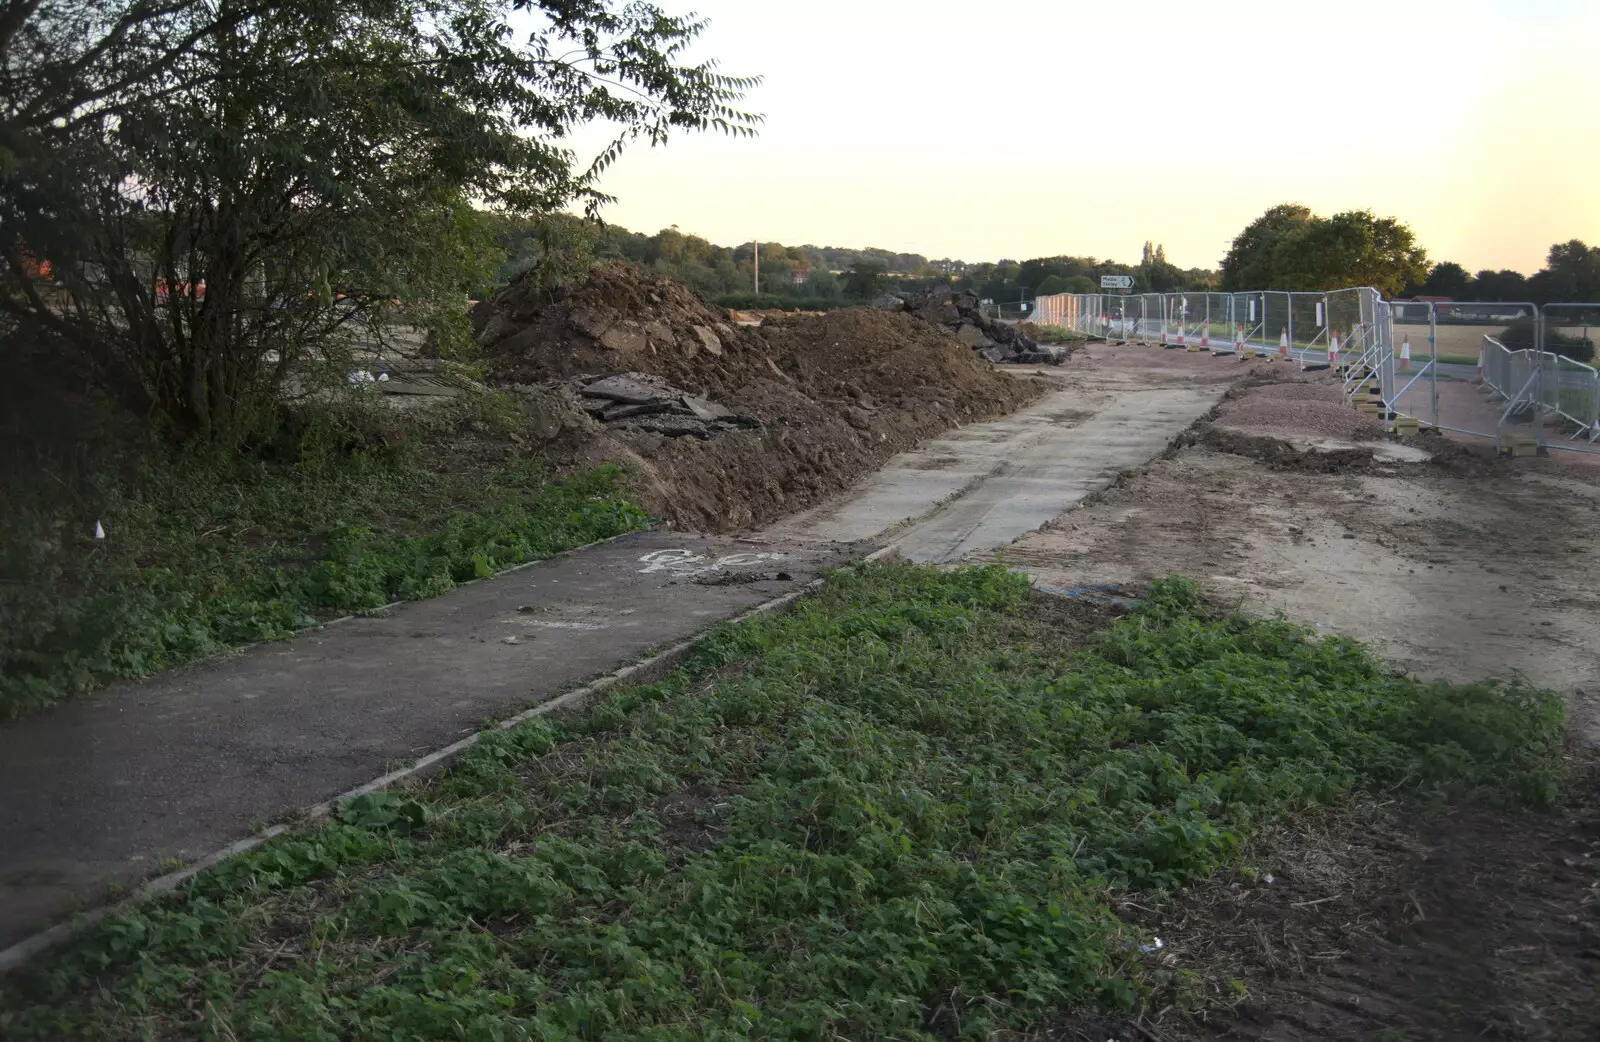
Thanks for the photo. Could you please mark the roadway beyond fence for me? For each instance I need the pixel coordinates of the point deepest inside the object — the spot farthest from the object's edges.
(1524, 397)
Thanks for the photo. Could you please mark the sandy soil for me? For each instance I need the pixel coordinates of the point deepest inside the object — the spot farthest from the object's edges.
(1459, 569)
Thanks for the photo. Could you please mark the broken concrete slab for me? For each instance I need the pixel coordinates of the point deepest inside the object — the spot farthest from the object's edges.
(670, 426)
(972, 336)
(709, 340)
(621, 411)
(627, 387)
(707, 410)
(625, 339)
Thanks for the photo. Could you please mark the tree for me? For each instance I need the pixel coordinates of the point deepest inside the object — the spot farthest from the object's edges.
(1571, 273)
(1249, 262)
(1447, 279)
(864, 280)
(1290, 248)
(230, 191)
(669, 245)
(1155, 274)
(1505, 285)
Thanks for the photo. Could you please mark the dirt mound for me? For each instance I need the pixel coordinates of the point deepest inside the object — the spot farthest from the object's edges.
(1300, 416)
(1300, 391)
(1278, 454)
(820, 400)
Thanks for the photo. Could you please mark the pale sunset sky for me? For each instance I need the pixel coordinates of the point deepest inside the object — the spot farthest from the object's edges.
(1020, 129)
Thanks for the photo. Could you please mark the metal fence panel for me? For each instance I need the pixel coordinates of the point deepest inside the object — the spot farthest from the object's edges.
(1498, 369)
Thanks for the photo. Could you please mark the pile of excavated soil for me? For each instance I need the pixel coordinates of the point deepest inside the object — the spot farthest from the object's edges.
(823, 400)
(1288, 416)
(1278, 454)
(1299, 391)
(1296, 407)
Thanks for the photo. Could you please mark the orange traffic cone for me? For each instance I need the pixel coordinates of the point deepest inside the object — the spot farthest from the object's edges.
(1283, 344)
(1405, 354)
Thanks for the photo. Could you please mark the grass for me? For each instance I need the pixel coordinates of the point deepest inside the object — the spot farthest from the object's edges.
(1047, 334)
(902, 811)
(207, 549)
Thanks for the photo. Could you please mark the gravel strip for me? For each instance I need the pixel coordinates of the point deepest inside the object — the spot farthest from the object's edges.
(1299, 416)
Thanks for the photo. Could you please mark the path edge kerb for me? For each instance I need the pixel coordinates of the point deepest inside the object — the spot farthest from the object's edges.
(643, 671)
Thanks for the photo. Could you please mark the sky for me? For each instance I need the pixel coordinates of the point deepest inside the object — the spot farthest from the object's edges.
(1021, 129)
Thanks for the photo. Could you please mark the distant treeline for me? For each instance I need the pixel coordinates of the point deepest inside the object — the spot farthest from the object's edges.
(1571, 273)
(820, 276)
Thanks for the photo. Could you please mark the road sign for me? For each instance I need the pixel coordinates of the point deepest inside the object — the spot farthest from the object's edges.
(1116, 282)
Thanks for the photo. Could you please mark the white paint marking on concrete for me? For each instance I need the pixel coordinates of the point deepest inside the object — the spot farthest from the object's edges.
(687, 562)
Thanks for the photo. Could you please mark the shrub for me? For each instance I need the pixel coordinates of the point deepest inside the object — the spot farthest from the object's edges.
(1521, 336)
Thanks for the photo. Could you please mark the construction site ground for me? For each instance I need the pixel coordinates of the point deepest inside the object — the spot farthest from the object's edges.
(1455, 563)
(1126, 464)
(1407, 921)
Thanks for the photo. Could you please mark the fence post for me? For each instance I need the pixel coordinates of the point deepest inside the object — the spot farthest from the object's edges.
(1433, 360)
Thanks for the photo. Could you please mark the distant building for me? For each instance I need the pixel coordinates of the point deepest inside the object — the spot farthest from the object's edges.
(798, 276)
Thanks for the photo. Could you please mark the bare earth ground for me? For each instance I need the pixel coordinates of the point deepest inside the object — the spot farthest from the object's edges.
(1409, 924)
(1397, 922)
(1460, 568)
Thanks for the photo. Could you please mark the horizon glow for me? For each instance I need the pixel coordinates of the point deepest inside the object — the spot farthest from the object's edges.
(1047, 128)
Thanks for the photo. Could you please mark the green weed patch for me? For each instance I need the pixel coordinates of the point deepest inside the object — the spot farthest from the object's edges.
(208, 551)
(900, 811)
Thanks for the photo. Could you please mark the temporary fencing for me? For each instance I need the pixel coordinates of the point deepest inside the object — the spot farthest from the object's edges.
(1409, 364)
(1543, 396)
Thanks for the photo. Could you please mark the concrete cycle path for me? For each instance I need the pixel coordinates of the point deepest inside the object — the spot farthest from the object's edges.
(987, 484)
(107, 786)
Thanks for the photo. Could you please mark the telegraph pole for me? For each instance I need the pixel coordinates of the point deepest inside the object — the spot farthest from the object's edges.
(757, 244)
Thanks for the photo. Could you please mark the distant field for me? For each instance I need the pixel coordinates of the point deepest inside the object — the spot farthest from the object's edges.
(1460, 343)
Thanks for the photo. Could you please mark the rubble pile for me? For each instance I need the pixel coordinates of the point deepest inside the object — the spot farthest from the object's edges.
(641, 402)
(621, 319)
(960, 312)
(723, 426)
